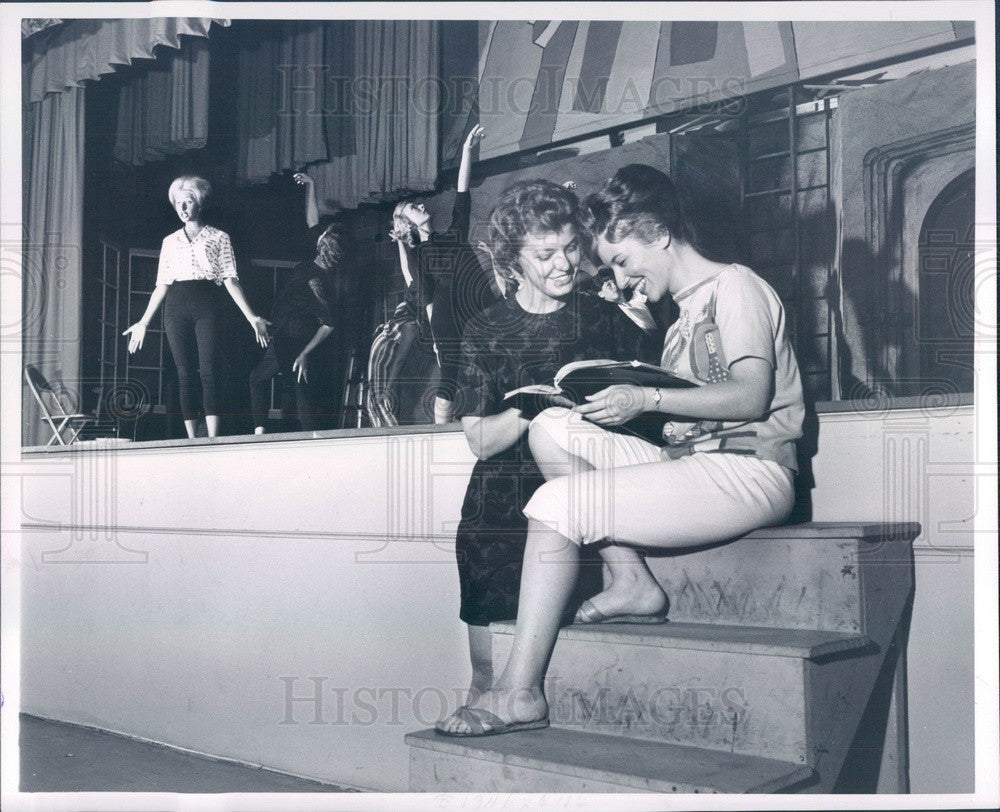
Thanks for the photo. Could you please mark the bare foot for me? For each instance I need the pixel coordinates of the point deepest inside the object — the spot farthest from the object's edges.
(637, 597)
(516, 705)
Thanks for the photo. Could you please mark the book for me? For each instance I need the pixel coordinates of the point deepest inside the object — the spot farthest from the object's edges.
(576, 380)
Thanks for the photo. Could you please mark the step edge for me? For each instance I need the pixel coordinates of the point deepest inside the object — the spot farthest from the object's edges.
(859, 531)
(795, 772)
(837, 643)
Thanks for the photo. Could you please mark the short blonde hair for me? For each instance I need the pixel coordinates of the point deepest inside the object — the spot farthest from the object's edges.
(198, 186)
(403, 230)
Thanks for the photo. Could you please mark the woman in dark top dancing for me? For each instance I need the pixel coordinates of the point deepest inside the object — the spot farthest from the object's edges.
(448, 281)
(302, 320)
(523, 339)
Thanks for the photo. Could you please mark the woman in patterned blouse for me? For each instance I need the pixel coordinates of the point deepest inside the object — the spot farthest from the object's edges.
(195, 261)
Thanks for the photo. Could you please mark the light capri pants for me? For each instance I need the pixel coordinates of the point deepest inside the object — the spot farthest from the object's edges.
(634, 496)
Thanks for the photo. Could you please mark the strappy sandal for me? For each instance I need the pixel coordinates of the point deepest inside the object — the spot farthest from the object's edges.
(483, 723)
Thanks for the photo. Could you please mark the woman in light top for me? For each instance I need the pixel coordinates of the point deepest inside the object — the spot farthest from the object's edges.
(195, 262)
(725, 465)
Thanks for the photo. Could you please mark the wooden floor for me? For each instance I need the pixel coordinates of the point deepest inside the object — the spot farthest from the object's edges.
(58, 757)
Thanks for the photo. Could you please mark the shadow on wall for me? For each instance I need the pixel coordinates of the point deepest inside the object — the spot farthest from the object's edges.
(706, 169)
(916, 334)
(898, 334)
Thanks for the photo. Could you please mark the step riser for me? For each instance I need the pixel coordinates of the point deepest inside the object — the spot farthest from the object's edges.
(834, 713)
(778, 583)
(734, 702)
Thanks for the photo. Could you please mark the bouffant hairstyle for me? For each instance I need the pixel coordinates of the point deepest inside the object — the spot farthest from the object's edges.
(197, 185)
(528, 207)
(403, 231)
(639, 200)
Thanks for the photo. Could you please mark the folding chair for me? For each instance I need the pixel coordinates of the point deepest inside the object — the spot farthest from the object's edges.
(54, 412)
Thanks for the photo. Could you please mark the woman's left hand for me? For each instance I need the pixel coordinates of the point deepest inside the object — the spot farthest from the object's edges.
(300, 368)
(260, 326)
(609, 292)
(614, 405)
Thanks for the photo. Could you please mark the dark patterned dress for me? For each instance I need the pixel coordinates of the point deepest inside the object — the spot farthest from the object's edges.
(504, 348)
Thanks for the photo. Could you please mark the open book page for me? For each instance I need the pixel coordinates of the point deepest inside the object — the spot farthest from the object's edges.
(578, 379)
(604, 364)
(582, 379)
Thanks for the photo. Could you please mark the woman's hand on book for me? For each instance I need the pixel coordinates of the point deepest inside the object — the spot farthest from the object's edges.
(614, 405)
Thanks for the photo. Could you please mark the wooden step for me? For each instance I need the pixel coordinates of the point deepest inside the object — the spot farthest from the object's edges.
(804, 644)
(560, 760)
(820, 575)
(740, 689)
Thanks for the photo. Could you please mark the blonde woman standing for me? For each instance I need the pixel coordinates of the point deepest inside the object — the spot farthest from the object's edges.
(195, 262)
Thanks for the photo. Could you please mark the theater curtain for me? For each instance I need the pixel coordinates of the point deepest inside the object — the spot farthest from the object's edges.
(279, 99)
(356, 100)
(62, 57)
(52, 259)
(55, 64)
(164, 110)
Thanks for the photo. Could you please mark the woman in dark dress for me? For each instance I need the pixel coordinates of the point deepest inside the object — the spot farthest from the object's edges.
(302, 320)
(522, 340)
(444, 277)
(305, 314)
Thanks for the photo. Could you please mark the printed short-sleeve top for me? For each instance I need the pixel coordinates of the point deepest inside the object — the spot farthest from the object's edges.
(733, 315)
(208, 256)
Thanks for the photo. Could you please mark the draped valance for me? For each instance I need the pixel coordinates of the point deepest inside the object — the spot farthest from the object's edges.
(32, 25)
(164, 109)
(64, 56)
(356, 101)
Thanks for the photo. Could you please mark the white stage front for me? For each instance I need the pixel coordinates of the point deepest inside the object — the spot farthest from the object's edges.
(293, 603)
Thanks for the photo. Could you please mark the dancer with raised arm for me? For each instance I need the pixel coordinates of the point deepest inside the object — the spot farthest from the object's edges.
(305, 315)
(444, 277)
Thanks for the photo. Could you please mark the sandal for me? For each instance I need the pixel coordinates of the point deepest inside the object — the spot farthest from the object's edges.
(478, 718)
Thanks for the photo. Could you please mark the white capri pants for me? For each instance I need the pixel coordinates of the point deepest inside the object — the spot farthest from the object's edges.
(635, 497)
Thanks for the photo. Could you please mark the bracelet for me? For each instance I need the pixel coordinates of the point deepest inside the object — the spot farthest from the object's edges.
(656, 399)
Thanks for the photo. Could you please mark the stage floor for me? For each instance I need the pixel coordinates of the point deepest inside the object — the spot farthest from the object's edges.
(59, 757)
